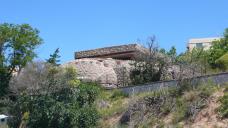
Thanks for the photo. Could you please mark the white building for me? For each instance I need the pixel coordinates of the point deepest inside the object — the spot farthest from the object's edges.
(204, 43)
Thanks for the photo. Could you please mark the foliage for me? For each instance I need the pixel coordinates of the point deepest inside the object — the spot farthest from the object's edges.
(123, 77)
(223, 109)
(87, 94)
(222, 62)
(153, 121)
(116, 107)
(172, 53)
(148, 67)
(162, 50)
(40, 77)
(114, 102)
(183, 103)
(54, 58)
(183, 86)
(193, 100)
(118, 94)
(195, 60)
(55, 102)
(4, 103)
(218, 49)
(17, 44)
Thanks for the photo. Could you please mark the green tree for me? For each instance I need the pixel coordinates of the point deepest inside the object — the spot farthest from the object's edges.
(172, 53)
(55, 99)
(162, 50)
(148, 67)
(218, 49)
(222, 62)
(17, 44)
(54, 58)
(195, 60)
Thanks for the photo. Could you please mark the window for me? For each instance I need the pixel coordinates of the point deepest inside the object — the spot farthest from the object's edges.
(199, 45)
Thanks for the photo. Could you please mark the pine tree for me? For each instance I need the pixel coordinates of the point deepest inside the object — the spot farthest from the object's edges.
(54, 58)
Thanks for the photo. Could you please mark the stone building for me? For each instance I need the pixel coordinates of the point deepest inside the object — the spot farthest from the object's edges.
(109, 66)
(108, 72)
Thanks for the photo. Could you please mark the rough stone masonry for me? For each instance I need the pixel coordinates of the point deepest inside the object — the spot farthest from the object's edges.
(109, 66)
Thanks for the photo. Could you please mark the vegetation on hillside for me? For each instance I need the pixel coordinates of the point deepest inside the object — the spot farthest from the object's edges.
(148, 66)
(42, 94)
(54, 58)
(176, 107)
(222, 62)
(17, 45)
(223, 109)
(55, 98)
(48, 95)
(218, 49)
(153, 65)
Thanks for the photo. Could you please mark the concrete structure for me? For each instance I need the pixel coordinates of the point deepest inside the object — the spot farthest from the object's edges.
(121, 52)
(111, 66)
(217, 79)
(204, 43)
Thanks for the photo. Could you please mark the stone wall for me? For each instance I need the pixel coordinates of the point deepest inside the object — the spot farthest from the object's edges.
(215, 78)
(110, 73)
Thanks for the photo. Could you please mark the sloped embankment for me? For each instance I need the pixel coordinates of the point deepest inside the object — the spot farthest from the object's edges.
(209, 116)
(187, 106)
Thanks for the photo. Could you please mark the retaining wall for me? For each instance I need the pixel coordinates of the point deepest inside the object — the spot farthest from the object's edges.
(218, 79)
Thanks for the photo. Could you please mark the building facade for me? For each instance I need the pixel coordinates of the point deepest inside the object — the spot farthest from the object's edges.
(204, 43)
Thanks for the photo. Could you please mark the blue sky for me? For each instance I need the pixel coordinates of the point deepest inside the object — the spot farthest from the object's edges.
(74, 25)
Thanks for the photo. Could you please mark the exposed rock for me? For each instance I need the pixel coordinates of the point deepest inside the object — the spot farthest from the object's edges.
(111, 73)
(106, 72)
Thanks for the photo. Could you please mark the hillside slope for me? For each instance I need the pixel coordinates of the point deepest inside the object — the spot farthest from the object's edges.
(208, 117)
(193, 108)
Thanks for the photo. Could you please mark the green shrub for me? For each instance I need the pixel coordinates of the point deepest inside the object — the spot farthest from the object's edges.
(88, 93)
(115, 107)
(118, 94)
(87, 117)
(192, 101)
(222, 62)
(223, 109)
(65, 105)
(49, 111)
(205, 90)
(180, 111)
(153, 121)
(183, 86)
(115, 102)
